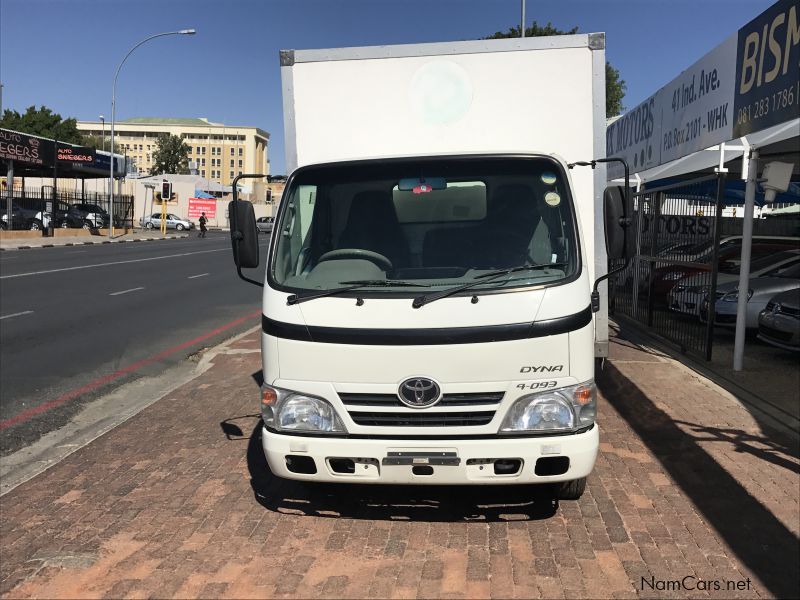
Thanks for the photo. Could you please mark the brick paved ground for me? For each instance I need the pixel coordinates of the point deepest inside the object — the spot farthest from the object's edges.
(177, 502)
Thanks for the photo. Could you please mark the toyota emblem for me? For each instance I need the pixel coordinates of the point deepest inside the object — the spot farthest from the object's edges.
(419, 392)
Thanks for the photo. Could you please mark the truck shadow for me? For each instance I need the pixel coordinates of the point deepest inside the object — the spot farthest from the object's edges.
(394, 502)
(751, 531)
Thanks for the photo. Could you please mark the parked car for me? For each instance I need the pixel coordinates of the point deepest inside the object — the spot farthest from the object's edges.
(689, 292)
(760, 291)
(30, 217)
(173, 222)
(666, 277)
(264, 224)
(88, 216)
(779, 322)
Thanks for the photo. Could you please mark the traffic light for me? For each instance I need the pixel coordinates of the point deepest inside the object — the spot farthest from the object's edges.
(166, 191)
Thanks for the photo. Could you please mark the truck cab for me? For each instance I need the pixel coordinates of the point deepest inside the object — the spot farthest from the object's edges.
(432, 306)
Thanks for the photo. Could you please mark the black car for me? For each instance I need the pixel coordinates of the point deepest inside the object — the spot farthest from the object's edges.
(88, 216)
(22, 217)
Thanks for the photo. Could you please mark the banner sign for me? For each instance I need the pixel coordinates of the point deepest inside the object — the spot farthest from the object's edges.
(76, 155)
(768, 63)
(748, 83)
(697, 106)
(28, 149)
(201, 205)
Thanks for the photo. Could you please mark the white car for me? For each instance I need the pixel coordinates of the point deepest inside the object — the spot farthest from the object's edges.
(687, 296)
(173, 222)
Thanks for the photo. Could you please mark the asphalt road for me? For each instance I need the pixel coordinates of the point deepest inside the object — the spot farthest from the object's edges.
(77, 321)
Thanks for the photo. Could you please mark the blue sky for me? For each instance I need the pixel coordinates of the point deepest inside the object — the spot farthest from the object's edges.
(63, 54)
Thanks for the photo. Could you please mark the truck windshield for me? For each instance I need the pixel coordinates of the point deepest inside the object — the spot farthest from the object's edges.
(437, 223)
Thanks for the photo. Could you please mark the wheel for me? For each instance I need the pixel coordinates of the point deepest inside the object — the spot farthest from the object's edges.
(571, 490)
(35, 225)
(87, 225)
(64, 225)
(179, 227)
(344, 253)
(149, 225)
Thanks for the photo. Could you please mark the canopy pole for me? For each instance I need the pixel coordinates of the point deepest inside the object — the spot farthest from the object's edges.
(744, 268)
(10, 194)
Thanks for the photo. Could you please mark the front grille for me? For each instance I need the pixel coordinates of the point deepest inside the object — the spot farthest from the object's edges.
(788, 310)
(770, 306)
(422, 419)
(775, 334)
(471, 399)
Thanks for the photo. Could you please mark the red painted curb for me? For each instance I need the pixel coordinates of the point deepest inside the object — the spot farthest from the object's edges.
(37, 410)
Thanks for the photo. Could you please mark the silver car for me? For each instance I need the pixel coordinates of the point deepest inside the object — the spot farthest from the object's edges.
(779, 322)
(173, 222)
(264, 224)
(760, 291)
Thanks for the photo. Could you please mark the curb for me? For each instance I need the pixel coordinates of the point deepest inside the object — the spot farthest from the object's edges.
(90, 243)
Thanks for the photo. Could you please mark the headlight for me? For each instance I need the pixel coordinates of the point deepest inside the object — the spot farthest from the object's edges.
(564, 409)
(734, 296)
(286, 410)
(698, 289)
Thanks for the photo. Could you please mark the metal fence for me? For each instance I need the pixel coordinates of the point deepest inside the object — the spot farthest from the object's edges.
(666, 286)
(35, 200)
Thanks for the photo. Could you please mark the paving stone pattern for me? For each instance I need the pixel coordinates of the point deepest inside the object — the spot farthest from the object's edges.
(177, 502)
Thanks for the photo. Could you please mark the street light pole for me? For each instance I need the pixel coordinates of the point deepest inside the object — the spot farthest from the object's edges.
(113, 117)
(103, 121)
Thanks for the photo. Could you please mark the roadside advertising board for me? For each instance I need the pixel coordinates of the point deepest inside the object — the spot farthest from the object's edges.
(747, 83)
(201, 205)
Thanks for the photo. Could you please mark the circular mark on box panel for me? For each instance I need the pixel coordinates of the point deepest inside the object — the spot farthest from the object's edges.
(440, 92)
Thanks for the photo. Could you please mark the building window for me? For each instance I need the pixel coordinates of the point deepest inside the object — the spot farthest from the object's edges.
(232, 151)
(197, 151)
(241, 152)
(231, 162)
(203, 172)
(240, 163)
(239, 173)
(231, 174)
(203, 150)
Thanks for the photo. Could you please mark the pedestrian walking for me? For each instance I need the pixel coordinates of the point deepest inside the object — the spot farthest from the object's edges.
(203, 222)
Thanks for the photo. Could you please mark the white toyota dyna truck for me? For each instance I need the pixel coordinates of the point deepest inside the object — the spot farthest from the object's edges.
(434, 296)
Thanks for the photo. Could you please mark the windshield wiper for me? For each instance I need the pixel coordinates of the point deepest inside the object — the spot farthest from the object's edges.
(354, 285)
(421, 301)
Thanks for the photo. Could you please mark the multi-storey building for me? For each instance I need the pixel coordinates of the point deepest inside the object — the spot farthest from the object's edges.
(219, 152)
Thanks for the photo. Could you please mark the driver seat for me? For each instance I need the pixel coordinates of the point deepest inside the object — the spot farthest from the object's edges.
(372, 225)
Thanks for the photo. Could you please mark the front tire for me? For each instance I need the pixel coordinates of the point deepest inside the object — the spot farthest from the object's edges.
(179, 227)
(149, 225)
(36, 225)
(571, 490)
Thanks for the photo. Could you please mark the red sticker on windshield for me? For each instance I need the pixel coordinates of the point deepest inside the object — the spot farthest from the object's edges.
(422, 189)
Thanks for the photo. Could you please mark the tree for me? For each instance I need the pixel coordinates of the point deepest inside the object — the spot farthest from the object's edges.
(42, 122)
(97, 142)
(171, 156)
(615, 87)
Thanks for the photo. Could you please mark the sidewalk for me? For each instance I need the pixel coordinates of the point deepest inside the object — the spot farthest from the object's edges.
(49, 242)
(689, 498)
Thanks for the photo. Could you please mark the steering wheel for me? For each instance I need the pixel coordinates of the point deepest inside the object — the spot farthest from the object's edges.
(344, 253)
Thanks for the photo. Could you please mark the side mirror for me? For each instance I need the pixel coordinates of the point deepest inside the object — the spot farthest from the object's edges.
(244, 234)
(618, 213)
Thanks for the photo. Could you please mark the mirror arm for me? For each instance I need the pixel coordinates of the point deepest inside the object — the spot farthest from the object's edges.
(235, 233)
(625, 221)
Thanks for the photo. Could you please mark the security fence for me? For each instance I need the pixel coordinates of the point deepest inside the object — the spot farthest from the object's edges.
(32, 208)
(667, 285)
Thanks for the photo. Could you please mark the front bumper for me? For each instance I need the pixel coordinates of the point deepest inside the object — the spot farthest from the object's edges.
(475, 458)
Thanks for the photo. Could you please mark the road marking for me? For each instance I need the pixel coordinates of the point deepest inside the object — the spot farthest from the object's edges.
(37, 410)
(116, 262)
(125, 291)
(196, 276)
(19, 314)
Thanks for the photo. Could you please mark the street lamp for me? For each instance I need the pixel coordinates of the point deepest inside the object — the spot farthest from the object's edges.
(113, 116)
(103, 121)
